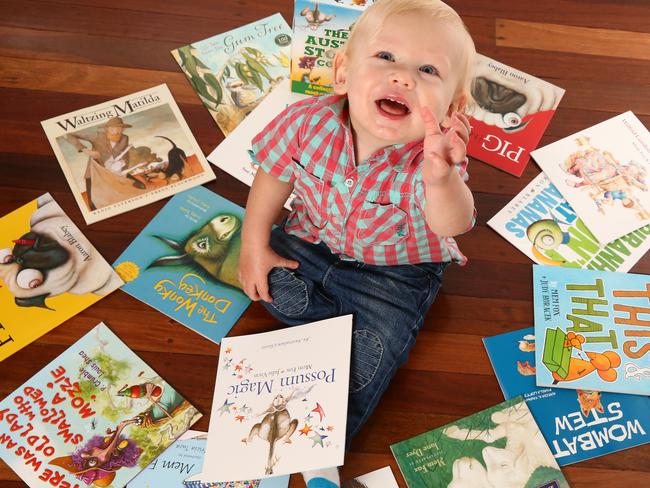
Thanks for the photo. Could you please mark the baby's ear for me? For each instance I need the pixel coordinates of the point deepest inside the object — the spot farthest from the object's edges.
(340, 74)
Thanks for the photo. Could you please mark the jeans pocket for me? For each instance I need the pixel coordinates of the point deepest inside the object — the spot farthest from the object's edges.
(367, 352)
(289, 293)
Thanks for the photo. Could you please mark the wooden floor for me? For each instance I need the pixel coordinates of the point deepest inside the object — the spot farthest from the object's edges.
(59, 56)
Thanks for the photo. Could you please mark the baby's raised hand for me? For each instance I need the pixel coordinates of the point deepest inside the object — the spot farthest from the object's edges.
(443, 150)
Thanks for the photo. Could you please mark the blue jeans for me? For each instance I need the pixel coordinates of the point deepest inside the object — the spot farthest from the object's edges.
(388, 304)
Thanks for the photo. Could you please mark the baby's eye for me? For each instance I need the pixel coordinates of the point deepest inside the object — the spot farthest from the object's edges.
(385, 55)
(428, 69)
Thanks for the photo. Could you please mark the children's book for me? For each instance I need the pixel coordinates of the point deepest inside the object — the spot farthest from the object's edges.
(183, 459)
(49, 272)
(320, 28)
(500, 447)
(280, 402)
(126, 153)
(601, 171)
(511, 112)
(591, 328)
(185, 263)
(96, 415)
(380, 478)
(235, 155)
(232, 72)
(577, 424)
(543, 225)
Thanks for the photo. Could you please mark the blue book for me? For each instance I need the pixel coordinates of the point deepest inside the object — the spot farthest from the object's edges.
(577, 425)
(185, 263)
(183, 459)
(592, 329)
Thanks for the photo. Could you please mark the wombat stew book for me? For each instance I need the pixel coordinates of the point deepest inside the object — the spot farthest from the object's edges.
(577, 424)
(541, 224)
(49, 271)
(232, 72)
(185, 262)
(126, 153)
(591, 329)
(500, 447)
(510, 113)
(95, 416)
(280, 402)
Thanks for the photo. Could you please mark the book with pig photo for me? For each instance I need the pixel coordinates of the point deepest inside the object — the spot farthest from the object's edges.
(185, 263)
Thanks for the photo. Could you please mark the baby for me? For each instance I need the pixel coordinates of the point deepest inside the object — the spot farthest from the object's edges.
(379, 172)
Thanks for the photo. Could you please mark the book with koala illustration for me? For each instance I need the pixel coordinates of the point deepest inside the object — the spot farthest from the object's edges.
(500, 446)
(320, 28)
(280, 402)
(511, 111)
(234, 154)
(602, 172)
(185, 263)
(183, 459)
(591, 329)
(577, 424)
(49, 272)
(96, 415)
(125, 153)
(543, 225)
(233, 71)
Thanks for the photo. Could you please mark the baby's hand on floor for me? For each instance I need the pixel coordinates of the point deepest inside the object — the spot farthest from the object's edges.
(443, 150)
(254, 267)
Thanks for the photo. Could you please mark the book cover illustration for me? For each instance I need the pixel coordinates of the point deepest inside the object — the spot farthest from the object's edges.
(49, 272)
(601, 171)
(591, 329)
(235, 155)
(126, 153)
(511, 112)
(499, 447)
(232, 72)
(543, 225)
(320, 28)
(185, 263)
(577, 424)
(95, 416)
(380, 478)
(280, 402)
(183, 459)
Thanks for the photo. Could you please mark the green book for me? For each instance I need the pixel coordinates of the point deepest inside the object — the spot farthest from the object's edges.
(500, 447)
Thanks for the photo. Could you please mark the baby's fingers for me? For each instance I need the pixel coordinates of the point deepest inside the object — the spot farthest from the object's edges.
(431, 124)
(457, 149)
(461, 125)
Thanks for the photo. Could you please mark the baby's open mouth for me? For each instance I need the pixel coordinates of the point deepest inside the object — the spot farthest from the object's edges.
(390, 106)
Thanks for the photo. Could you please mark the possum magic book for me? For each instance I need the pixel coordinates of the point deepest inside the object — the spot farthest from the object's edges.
(125, 153)
(185, 263)
(280, 402)
(49, 272)
(95, 416)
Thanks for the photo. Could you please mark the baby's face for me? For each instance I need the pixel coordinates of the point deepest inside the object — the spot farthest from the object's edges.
(411, 63)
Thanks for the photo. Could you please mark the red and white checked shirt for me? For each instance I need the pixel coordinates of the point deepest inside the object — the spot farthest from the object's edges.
(372, 212)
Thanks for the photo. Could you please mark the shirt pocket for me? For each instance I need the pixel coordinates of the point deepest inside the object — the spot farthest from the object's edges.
(381, 224)
(311, 191)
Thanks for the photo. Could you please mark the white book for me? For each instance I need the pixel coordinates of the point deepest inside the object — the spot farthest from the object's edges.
(380, 478)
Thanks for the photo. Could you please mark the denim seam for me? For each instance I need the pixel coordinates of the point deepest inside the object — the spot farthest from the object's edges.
(303, 288)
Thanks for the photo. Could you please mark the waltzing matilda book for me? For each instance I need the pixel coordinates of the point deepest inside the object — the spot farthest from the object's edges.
(511, 112)
(497, 447)
(49, 271)
(126, 153)
(280, 402)
(96, 415)
(541, 224)
(185, 263)
(320, 28)
(232, 72)
(577, 424)
(591, 329)
(602, 172)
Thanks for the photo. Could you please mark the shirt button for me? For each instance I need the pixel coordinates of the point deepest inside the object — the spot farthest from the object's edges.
(349, 182)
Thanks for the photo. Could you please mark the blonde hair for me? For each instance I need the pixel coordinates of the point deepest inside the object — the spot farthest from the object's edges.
(374, 17)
